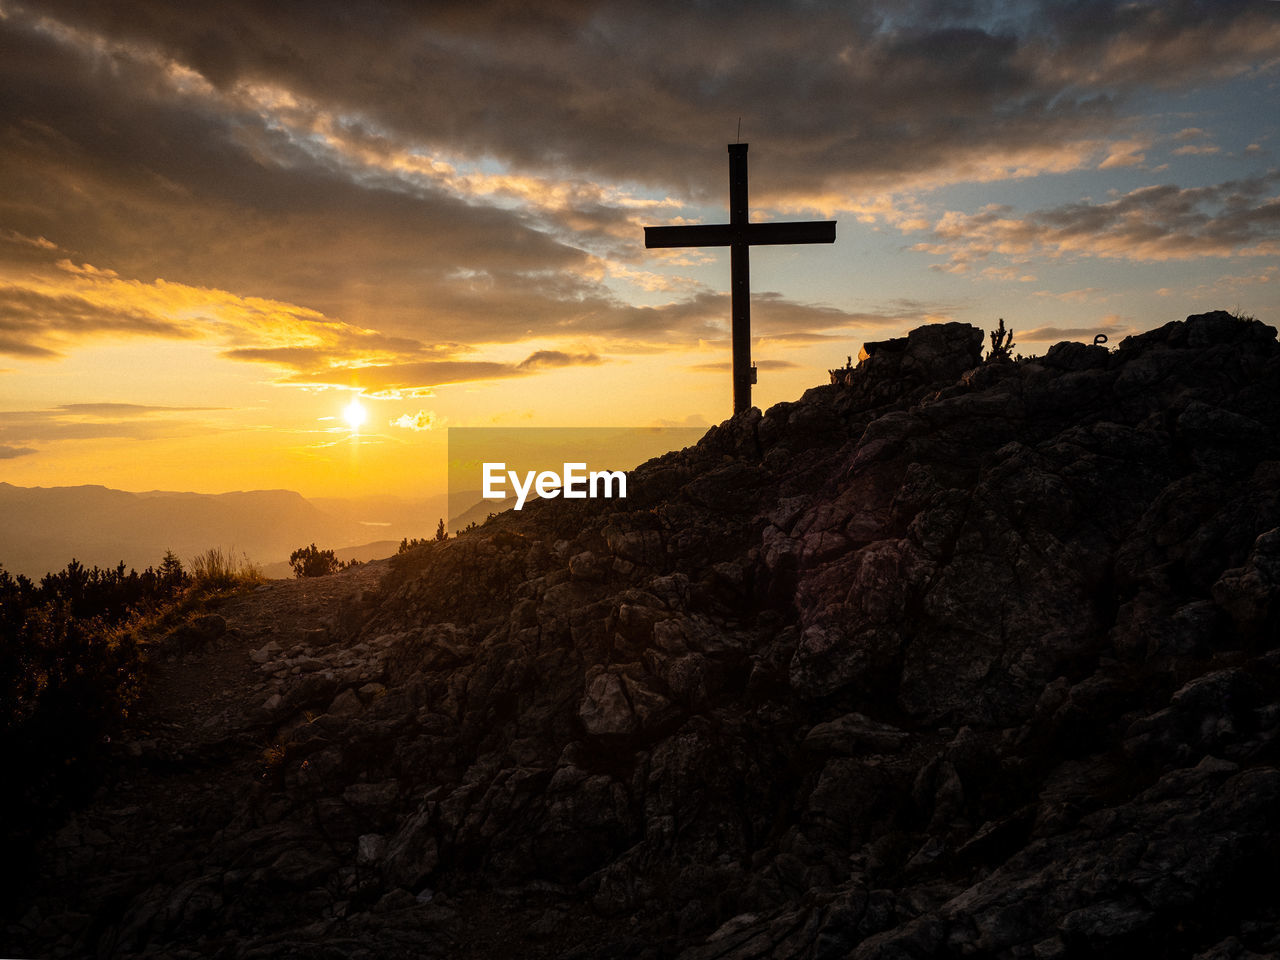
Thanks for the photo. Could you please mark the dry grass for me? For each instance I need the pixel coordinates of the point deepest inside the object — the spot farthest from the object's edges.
(218, 569)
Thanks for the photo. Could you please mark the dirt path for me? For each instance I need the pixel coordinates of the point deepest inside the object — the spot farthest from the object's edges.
(209, 688)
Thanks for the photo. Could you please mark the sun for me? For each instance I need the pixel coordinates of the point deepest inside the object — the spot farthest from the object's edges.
(354, 414)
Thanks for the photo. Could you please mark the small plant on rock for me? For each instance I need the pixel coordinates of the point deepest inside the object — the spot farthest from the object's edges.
(1001, 344)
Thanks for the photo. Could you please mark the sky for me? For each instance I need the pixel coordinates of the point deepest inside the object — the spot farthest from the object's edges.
(221, 224)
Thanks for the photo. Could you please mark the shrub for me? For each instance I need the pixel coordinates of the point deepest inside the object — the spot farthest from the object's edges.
(408, 543)
(78, 676)
(313, 562)
(71, 669)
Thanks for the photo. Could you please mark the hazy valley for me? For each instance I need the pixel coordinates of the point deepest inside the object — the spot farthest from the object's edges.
(42, 528)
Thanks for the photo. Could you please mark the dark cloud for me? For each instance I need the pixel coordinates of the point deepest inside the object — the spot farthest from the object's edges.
(21, 348)
(434, 373)
(619, 90)
(298, 357)
(43, 426)
(9, 453)
(35, 324)
(546, 359)
(302, 152)
(106, 161)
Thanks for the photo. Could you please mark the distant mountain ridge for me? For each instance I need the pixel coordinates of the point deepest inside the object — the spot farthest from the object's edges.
(42, 528)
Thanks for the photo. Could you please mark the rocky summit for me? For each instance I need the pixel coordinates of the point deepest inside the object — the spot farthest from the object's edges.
(946, 659)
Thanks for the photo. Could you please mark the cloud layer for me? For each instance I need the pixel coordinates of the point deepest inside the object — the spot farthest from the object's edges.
(376, 195)
(620, 91)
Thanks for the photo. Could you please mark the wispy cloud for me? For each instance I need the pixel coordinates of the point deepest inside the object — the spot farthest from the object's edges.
(1235, 218)
(435, 373)
(96, 422)
(547, 359)
(1126, 153)
(1232, 284)
(36, 323)
(1081, 295)
(720, 366)
(123, 410)
(1111, 326)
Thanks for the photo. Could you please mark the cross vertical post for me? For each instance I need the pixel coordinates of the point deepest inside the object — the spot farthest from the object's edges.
(739, 235)
(740, 280)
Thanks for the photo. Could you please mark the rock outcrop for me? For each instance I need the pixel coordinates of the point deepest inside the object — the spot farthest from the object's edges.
(947, 659)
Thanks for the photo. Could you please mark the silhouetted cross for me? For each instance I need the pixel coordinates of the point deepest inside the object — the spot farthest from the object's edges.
(739, 234)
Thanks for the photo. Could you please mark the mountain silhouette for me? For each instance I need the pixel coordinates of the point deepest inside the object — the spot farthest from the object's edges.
(950, 658)
(42, 528)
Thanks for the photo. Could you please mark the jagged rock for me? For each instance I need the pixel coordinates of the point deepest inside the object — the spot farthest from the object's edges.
(301, 868)
(267, 652)
(413, 852)
(346, 704)
(585, 566)
(317, 637)
(370, 848)
(1072, 356)
(888, 369)
(1250, 594)
(854, 733)
(635, 546)
(616, 703)
(372, 796)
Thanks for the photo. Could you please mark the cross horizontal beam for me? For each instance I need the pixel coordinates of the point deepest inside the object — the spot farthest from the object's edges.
(740, 235)
(752, 234)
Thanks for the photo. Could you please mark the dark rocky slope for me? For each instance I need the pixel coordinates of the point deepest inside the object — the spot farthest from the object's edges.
(952, 660)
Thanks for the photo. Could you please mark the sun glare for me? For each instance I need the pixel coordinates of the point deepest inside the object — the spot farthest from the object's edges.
(354, 414)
